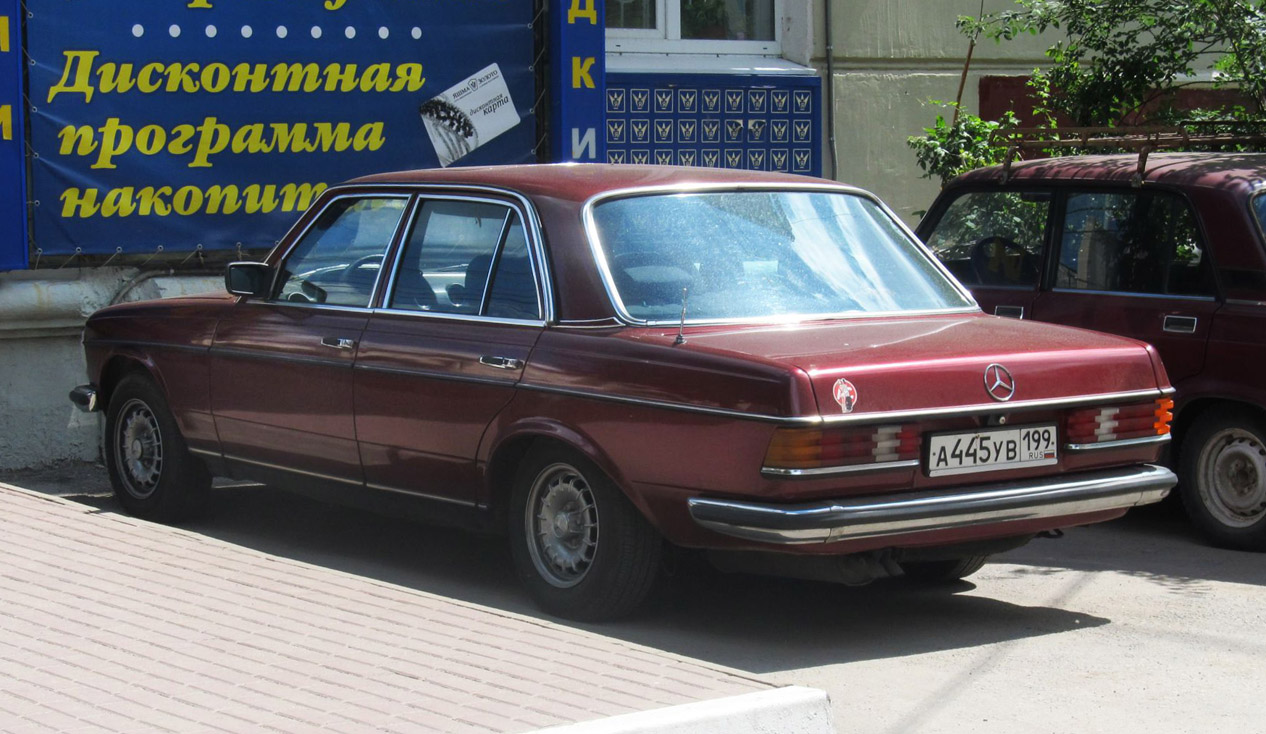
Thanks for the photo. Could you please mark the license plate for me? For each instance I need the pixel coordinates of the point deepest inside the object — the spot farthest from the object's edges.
(992, 450)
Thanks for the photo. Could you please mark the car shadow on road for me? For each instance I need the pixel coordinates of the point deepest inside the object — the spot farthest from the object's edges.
(751, 623)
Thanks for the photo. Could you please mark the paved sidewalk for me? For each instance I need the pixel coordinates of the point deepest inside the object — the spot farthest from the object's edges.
(108, 623)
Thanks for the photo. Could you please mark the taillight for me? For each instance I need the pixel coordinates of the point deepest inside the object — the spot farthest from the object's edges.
(798, 448)
(1120, 422)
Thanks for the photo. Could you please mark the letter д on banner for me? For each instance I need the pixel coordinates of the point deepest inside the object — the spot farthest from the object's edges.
(578, 82)
(13, 238)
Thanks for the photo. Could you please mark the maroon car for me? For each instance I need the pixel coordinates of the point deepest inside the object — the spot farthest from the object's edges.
(598, 359)
(1172, 255)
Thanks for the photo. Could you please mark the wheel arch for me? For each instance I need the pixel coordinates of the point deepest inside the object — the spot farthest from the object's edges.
(120, 365)
(529, 435)
(1192, 410)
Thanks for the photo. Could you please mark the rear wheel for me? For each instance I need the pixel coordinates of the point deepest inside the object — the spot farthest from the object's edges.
(940, 572)
(581, 548)
(153, 474)
(1222, 478)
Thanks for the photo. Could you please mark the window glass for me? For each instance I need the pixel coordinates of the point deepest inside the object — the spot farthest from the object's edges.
(513, 291)
(993, 237)
(730, 20)
(338, 260)
(631, 14)
(449, 255)
(1132, 242)
(755, 254)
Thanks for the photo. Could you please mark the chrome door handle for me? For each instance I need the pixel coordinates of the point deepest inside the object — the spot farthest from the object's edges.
(501, 363)
(1011, 312)
(1180, 324)
(335, 342)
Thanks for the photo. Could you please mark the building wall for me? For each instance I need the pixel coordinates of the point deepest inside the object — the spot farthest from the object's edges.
(891, 59)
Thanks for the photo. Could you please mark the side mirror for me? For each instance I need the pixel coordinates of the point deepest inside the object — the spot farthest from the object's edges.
(248, 279)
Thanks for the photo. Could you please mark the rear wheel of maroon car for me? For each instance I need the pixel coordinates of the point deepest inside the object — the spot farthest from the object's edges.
(153, 474)
(579, 545)
(1222, 478)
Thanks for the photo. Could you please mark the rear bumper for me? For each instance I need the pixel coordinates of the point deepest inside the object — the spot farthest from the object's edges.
(872, 517)
(85, 398)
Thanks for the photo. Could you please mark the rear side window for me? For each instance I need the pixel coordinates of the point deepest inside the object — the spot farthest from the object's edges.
(1132, 242)
(467, 257)
(994, 238)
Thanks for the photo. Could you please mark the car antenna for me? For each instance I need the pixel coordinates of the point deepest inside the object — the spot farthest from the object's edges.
(681, 327)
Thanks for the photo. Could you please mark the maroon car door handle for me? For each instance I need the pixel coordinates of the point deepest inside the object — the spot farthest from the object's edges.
(501, 363)
(337, 342)
(1180, 324)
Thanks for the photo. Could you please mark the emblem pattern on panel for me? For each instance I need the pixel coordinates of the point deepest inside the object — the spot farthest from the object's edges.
(764, 124)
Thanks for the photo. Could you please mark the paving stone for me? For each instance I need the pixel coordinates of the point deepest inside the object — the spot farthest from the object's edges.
(110, 623)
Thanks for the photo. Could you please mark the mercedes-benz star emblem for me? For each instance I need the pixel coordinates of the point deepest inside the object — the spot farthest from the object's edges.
(999, 383)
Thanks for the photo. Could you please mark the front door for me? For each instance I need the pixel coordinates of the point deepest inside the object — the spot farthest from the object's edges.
(282, 393)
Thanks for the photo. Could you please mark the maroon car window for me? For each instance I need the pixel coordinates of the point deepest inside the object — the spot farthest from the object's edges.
(993, 237)
(763, 254)
(1132, 242)
(448, 260)
(338, 260)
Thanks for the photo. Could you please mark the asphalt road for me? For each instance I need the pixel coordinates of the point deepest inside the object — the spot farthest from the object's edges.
(1131, 626)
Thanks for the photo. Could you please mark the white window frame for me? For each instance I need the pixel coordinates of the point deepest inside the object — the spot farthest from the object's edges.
(666, 36)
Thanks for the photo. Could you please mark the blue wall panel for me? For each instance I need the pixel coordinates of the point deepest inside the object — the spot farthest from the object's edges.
(763, 123)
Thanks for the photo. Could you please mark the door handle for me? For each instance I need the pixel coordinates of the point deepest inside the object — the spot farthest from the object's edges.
(501, 363)
(1013, 312)
(335, 342)
(1180, 324)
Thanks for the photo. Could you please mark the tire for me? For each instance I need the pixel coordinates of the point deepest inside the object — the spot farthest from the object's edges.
(583, 551)
(153, 474)
(1222, 478)
(943, 572)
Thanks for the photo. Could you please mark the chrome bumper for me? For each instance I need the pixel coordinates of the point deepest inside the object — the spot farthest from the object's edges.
(85, 398)
(870, 517)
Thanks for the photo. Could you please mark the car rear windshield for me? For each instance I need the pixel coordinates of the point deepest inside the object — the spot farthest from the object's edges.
(738, 255)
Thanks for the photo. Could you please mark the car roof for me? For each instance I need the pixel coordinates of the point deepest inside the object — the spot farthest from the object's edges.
(1245, 172)
(580, 181)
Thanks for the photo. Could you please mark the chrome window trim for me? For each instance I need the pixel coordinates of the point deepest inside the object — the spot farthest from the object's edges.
(1197, 299)
(863, 418)
(467, 317)
(531, 222)
(829, 471)
(1243, 302)
(536, 265)
(1123, 443)
(608, 281)
(339, 194)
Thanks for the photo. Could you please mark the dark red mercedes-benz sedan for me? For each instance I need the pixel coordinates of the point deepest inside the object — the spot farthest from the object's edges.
(602, 360)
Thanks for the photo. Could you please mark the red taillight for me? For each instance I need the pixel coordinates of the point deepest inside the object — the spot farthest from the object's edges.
(798, 448)
(1119, 422)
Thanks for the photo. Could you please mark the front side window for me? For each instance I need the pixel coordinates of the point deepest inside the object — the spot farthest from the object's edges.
(466, 257)
(763, 254)
(340, 256)
(1132, 242)
(993, 238)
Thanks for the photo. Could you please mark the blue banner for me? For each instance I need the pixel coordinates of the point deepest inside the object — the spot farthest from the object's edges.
(577, 80)
(13, 247)
(215, 122)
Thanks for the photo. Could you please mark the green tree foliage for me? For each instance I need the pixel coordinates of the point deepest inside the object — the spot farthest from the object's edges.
(1117, 58)
(949, 148)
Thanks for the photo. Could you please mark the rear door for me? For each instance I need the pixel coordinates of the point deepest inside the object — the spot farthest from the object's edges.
(443, 355)
(993, 242)
(1133, 262)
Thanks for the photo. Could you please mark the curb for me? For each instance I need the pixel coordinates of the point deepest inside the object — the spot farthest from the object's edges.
(789, 710)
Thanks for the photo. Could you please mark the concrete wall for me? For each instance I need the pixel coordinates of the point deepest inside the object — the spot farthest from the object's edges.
(891, 59)
(42, 314)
